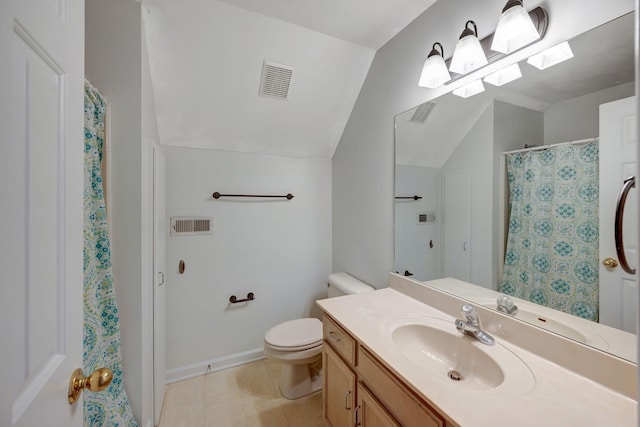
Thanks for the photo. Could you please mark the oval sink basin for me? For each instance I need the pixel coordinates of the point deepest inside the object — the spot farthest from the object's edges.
(550, 325)
(556, 322)
(436, 348)
(448, 354)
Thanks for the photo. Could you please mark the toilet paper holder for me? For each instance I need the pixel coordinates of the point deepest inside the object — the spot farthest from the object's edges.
(234, 300)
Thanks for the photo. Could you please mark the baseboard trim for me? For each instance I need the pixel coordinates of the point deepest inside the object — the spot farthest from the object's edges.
(213, 365)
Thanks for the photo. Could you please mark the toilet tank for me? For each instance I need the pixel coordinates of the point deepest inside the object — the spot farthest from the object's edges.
(343, 284)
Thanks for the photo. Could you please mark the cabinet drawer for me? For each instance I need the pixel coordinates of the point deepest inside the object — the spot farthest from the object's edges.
(339, 339)
(405, 407)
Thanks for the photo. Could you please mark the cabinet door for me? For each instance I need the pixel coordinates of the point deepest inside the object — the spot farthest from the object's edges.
(338, 396)
(370, 413)
(394, 395)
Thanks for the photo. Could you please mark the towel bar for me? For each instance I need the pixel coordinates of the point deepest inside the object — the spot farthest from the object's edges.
(234, 300)
(217, 195)
(408, 197)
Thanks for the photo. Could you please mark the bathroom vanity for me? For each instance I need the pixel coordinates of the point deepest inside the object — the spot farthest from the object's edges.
(393, 357)
(360, 390)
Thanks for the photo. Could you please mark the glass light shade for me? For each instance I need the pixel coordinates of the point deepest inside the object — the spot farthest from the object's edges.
(515, 30)
(471, 89)
(552, 56)
(504, 76)
(434, 72)
(468, 55)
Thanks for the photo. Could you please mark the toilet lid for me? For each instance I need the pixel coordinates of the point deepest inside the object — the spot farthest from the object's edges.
(295, 333)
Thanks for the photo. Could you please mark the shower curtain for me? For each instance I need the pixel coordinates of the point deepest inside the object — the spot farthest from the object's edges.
(552, 241)
(101, 343)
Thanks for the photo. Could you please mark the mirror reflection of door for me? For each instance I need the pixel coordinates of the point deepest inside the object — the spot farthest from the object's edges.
(456, 223)
(618, 289)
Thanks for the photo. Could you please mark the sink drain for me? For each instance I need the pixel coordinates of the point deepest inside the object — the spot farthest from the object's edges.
(454, 375)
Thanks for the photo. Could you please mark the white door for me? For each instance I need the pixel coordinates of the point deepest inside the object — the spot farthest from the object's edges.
(618, 289)
(41, 179)
(160, 228)
(456, 220)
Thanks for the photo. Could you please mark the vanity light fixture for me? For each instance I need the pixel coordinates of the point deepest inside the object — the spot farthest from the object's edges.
(468, 54)
(471, 89)
(434, 72)
(471, 54)
(552, 56)
(504, 75)
(515, 28)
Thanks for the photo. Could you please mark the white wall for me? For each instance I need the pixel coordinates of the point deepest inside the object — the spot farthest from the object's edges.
(473, 156)
(363, 163)
(515, 127)
(278, 249)
(114, 64)
(577, 118)
(412, 250)
(500, 127)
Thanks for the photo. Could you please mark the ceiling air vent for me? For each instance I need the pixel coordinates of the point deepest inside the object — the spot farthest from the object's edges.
(275, 80)
(421, 112)
(190, 225)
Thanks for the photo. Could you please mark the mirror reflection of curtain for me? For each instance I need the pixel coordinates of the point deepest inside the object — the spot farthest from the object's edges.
(101, 342)
(552, 243)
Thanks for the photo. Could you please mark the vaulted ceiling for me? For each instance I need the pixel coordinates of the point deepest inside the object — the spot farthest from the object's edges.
(206, 59)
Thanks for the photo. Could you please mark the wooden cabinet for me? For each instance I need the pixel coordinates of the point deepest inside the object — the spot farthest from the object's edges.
(360, 391)
(395, 396)
(370, 412)
(339, 389)
(340, 340)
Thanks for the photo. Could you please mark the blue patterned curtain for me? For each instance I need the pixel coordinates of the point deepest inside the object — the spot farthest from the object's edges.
(552, 242)
(101, 324)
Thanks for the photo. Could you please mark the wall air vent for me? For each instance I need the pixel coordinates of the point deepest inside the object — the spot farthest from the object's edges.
(421, 112)
(191, 225)
(426, 217)
(275, 80)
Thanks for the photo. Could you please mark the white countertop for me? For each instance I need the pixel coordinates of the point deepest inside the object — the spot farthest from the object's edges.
(559, 397)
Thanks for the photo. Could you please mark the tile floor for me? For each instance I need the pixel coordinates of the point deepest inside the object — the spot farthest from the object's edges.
(244, 396)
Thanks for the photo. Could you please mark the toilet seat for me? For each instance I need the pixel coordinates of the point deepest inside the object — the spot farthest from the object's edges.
(296, 357)
(298, 348)
(295, 335)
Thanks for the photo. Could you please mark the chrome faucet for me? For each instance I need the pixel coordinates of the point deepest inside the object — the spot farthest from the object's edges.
(506, 305)
(471, 325)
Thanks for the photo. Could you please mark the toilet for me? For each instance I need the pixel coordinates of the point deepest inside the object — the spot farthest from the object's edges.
(298, 343)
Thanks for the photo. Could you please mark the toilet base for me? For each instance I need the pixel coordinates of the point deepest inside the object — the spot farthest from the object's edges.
(297, 381)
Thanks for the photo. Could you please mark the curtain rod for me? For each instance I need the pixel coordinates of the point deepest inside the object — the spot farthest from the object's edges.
(544, 147)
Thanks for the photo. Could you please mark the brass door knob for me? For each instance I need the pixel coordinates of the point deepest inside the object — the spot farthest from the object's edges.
(98, 381)
(610, 263)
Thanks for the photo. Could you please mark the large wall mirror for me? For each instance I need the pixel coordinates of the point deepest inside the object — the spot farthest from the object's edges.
(462, 165)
